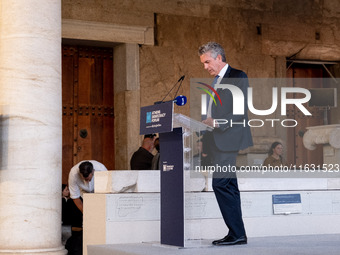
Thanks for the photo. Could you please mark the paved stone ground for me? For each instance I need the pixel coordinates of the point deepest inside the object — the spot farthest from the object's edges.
(288, 245)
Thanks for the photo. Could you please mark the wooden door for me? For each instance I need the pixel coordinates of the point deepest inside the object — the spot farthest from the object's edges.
(297, 154)
(87, 101)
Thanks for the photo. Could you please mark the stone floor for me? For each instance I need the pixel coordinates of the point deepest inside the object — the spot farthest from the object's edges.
(292, 245)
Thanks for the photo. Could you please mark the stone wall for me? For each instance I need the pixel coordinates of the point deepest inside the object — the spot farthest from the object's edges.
(257, 35)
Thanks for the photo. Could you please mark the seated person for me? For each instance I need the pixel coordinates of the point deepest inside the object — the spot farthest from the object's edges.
(66, 205)
(142, 158)
(274, 155)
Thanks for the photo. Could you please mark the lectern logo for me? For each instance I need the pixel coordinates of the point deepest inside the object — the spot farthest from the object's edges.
(148, 117)
(167, 167)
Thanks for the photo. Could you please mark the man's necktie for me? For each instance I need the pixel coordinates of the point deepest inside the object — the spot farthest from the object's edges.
(210, 99)
(215, 81)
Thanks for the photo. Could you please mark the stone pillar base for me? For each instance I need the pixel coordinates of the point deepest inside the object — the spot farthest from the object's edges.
(329, 136)
(55, 251)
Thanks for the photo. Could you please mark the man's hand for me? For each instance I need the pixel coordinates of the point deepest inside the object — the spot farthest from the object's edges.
(210, 122)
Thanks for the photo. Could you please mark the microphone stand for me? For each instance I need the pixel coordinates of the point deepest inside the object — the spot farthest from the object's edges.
(179, 86)
(180, 80)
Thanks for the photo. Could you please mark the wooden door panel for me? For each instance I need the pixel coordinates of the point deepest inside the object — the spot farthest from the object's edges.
(67, 79)
(108, 141)
(107, 81)
(108, 120)
(67, 143)
(88, 103)
(67, 111)
(84, 144)
(304, 156)
(296, 152)
(96, 86)
(84, 90)
(97, 137)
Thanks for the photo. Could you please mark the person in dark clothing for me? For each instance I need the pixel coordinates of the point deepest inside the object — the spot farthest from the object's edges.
(142, 158)
(71, 214)
(74, 244)
(81, 180)
(66, 205)
(226, 140)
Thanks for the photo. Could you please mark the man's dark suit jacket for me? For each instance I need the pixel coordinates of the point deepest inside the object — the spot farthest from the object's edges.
(237, 137)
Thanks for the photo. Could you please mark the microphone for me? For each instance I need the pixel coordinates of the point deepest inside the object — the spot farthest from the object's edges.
(179, 100)
(179, 80)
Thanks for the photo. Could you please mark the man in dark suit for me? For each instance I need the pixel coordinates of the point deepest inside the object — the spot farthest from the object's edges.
(227, 138)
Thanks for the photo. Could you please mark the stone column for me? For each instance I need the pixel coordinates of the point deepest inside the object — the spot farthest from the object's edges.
(30, 127)
(127, 103)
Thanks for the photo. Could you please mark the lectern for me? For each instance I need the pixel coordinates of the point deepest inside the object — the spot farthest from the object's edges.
(177, 134)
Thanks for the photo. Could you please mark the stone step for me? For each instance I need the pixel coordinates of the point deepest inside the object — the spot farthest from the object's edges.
(119, 181)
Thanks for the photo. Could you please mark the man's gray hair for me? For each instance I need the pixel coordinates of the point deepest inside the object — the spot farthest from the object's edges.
(214, 48)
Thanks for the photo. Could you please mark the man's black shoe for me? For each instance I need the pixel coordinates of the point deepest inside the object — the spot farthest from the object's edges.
(230, 240)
